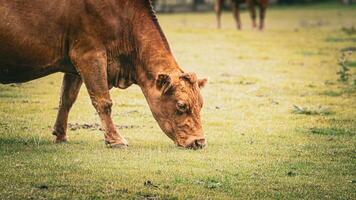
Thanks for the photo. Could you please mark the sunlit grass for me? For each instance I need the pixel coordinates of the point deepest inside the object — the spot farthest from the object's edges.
(258, 148)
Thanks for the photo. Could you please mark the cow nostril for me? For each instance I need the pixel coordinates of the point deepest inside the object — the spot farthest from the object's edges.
(200, 143)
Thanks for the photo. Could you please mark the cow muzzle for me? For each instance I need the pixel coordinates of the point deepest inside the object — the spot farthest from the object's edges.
(196, 144)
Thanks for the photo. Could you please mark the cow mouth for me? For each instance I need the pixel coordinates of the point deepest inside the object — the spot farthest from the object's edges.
(195, 144)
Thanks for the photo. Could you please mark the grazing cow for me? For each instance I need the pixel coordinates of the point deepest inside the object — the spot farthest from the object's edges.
(103, 44)
(262, 4)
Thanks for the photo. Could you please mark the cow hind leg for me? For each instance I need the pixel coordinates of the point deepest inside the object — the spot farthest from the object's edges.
(251, 7)
(236, 13)
(69, 92)
(93, 69)
(262, 16)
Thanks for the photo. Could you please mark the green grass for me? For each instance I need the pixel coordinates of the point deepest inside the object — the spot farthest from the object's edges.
(258, 148)
(311, 111)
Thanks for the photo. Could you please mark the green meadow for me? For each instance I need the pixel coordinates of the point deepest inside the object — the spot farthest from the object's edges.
(278, 123)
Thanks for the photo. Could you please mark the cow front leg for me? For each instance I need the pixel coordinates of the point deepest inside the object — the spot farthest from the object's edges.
(69, 92)
(218, 10)
(92, 67)
(236, 13)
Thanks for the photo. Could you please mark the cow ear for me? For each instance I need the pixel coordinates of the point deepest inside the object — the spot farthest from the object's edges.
(190, 77)
(164, 83)
(202, 82)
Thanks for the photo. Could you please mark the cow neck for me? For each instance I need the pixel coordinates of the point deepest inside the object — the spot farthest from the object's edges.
(153, 52)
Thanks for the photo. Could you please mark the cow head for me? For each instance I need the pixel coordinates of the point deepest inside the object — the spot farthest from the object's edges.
(176, 105)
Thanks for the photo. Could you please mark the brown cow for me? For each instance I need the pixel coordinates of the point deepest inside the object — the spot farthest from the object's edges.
(105, 44)
(262, 4)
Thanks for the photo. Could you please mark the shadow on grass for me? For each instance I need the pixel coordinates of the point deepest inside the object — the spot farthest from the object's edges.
(10, 95)
(24, 141)
(311, 110)
(336, 93)
(332, 131)
(13, 143)
(338, 127)
(335, 39)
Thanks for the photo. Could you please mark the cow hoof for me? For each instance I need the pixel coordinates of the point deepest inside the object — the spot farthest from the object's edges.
(122, 145)
(118, 146)
(59, 139)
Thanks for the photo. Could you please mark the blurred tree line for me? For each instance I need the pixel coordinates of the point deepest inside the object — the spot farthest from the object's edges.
(194, 5)
(313, 1)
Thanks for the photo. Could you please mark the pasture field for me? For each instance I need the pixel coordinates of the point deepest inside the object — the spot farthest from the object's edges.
(278, 123)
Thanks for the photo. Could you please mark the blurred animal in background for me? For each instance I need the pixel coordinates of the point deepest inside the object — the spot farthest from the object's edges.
(251, 5)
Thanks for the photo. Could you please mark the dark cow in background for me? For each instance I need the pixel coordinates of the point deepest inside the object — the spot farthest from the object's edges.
(103, 44)
(251, 4)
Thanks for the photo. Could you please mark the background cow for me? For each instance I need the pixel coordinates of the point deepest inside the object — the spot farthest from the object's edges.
(251, 4)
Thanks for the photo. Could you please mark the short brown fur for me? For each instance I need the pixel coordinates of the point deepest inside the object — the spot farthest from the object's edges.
(103, 44)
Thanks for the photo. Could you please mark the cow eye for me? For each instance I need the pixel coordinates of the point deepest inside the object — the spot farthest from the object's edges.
(182, 107)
